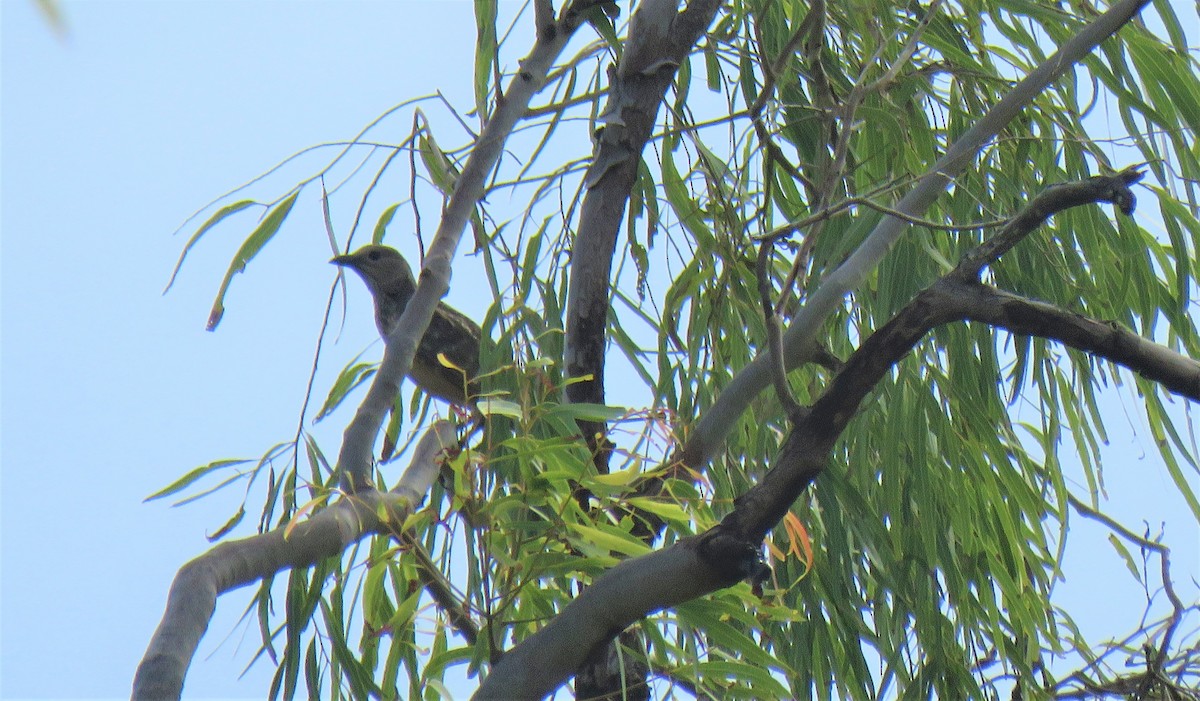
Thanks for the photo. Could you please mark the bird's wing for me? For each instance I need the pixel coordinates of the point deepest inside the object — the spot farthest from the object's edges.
(457, 337)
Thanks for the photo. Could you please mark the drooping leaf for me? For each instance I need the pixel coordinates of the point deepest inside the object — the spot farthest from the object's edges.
(258, 238)
(192, 476)
(217, 217)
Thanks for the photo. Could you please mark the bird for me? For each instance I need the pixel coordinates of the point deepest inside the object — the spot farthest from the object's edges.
(453, 334)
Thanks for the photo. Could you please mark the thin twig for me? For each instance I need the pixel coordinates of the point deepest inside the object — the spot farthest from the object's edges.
(774, 336)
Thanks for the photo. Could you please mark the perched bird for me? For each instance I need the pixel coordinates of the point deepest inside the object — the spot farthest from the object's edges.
(450, 333)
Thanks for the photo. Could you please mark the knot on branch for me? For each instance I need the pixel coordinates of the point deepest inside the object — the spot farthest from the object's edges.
(732, 556)
(1121, 195)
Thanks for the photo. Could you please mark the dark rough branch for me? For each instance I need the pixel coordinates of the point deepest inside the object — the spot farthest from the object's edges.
(660, 39)
(1056, 198)
(661, 36)
(622, 596)
(1107, 339)
(957, 297)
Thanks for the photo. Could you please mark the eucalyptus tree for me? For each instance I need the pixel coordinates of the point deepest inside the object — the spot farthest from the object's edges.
(791, 376)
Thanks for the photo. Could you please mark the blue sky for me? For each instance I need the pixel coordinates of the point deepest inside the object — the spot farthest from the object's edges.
(111, 138)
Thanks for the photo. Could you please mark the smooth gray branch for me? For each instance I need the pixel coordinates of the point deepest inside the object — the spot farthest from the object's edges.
(193, 595)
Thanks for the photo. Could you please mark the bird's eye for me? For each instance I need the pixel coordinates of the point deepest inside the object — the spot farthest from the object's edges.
(373, 255)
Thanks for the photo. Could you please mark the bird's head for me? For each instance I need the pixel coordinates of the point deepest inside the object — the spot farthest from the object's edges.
(381, 267)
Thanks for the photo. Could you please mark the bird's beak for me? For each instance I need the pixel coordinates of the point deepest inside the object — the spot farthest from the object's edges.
(342, 260)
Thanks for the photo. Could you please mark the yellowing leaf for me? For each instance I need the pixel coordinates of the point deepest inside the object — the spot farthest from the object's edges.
(800, 544)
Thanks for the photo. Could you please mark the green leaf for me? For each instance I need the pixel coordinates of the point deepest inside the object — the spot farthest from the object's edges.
(490, 406)
(485, 52)
(672, 513)
(757, 678)
(261, 235)
(215, 219)
(681, 202)
(215, 488)
(1130, 563)
(1174, 75)
(191, 476)
(351, 376)
(228, 525)
(585, 412)
(608, 539)
(712, 67)
(382, 224)
(440, 169)
(603, 24)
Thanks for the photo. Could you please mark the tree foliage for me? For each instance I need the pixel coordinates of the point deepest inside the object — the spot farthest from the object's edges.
(898, 203)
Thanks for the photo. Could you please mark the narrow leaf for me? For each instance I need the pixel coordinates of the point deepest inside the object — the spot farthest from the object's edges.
(266, 229)
(350, 378)
(212, 221)
(382, 224)
(192, 475)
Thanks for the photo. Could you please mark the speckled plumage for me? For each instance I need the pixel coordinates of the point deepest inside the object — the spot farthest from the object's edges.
(391, 282)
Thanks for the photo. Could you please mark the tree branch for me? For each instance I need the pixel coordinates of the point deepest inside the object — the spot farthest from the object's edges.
(1051, 201)
(771, 319)
(440, 590)
(660, 39)
(620, 597)
(193, 595)
(1107, 339)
